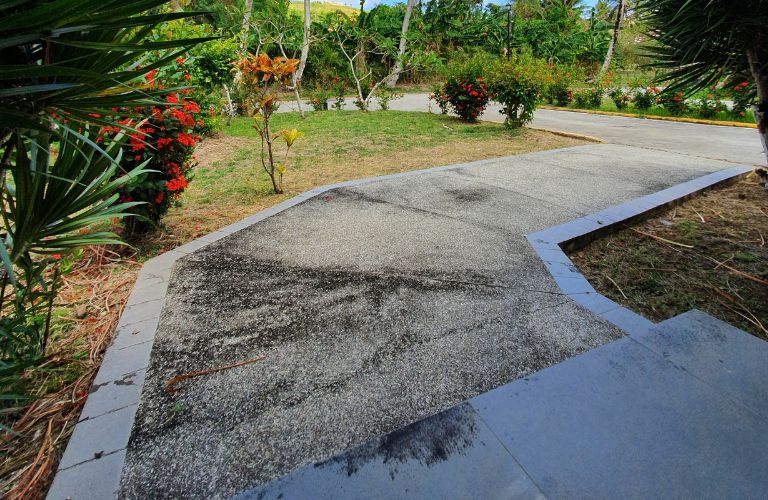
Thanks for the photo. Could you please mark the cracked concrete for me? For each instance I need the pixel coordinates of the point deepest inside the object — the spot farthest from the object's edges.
(375, 305)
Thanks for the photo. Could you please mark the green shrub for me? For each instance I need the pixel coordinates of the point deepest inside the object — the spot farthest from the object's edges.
(710, 105)
(385, 95)
(519, 85)
(589, 98)
(465, 89)
(619, 97)
(645, 98)
(675, 103)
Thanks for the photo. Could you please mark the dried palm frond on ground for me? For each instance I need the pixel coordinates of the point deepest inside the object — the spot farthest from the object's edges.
(709, 253)
(88, 308)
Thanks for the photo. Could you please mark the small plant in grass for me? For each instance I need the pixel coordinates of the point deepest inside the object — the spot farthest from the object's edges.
(620, 97)
(261, 77)
(645, 98)
(386, 94)
(675, 102)
(710, 105)
(338, 88)
(440, 98)
(318, 98)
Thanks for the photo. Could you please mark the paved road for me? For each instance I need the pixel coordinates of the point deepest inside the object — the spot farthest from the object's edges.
(375, 305)
(739, 145)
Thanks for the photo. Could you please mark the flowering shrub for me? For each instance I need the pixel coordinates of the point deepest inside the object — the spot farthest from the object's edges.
(674, 103)
(710, 105)
(590, 97)
(468, 99)
(645, 98)
(619, 97)
(741, 95)
(164, 142)
(519, 84)
(559, 92)
(464, 90)
(440, 98)
(318, 98)
(386, 94)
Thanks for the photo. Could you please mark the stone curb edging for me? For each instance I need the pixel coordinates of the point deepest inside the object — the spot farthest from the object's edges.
(700, 121)
(551, 244)
(93, 460)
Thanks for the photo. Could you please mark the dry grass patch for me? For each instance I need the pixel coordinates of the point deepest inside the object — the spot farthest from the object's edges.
(709, 253)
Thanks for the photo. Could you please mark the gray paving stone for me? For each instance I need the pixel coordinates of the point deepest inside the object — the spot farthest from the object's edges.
(120, 362)
(94, 480)
(621, 422)
(452, 455)
(721, 355)
(113, 395)
(98, 436)
(135, 333)
(142, 295)
(141, 312)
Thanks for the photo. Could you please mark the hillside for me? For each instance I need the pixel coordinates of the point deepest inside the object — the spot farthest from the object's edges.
(319, 8)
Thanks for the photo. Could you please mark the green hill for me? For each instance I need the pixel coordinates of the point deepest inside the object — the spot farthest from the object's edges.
(319, 8)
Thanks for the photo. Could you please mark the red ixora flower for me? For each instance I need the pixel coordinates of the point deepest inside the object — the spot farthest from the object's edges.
(185, 140)
(179, 60)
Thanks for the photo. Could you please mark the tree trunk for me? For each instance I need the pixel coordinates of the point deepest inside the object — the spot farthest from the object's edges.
(620, 8)
(246, 27)
(303, 58)
(758, 64)
(392, 80)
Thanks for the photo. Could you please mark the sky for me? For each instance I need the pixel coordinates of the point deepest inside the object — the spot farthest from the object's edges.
(369, 4)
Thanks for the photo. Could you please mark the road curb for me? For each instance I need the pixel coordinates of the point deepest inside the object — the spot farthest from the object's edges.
(699, 121)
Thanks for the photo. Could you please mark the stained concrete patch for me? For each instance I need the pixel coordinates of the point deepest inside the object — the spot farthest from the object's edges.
(374, 306)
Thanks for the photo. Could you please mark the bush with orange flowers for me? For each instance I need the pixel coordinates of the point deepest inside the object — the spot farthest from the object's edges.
(164, 141)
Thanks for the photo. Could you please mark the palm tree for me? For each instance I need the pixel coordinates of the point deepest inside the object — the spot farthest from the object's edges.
(621, 7)
(704, 43)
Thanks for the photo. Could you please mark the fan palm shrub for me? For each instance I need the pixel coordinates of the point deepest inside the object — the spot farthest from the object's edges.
(701, 43)
(64, 66)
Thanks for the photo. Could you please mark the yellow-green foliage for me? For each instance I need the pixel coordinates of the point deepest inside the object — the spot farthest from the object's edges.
(318, 9)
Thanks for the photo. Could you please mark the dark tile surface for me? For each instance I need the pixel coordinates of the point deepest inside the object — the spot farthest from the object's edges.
(621, 422)
(449, 455)
(721, 355)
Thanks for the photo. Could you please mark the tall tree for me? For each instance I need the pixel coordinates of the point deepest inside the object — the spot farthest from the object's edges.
(621, 6)
(392, 80)
(704, 43)
(246, 26)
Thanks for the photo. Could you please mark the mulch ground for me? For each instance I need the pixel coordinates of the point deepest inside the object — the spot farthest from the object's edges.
(709, 253)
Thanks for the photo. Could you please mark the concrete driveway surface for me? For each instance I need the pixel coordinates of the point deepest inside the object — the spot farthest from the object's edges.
(374, 306)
